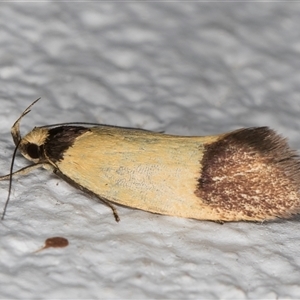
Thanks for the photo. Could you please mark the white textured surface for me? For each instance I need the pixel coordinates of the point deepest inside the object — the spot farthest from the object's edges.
(186, 68)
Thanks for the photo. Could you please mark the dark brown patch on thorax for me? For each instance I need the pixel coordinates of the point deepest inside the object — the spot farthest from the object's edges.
(59, 139)
(250, 174)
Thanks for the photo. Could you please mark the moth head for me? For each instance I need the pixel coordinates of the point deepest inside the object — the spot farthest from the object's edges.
(32, 144)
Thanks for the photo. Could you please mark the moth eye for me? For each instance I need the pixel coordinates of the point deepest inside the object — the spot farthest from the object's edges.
(33, 150)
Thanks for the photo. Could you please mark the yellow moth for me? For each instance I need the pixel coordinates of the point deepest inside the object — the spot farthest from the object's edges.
(249, 174)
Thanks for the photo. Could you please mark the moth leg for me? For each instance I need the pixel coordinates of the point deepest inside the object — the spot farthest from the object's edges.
(23, 171)
(85, 190)
(107, 203)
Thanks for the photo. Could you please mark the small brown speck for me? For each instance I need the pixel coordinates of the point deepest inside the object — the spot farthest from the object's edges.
(55, 242)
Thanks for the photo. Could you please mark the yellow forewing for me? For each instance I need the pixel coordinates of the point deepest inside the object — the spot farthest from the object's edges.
(150, 171)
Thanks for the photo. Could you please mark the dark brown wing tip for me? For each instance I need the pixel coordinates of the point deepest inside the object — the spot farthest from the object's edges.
(250, 174)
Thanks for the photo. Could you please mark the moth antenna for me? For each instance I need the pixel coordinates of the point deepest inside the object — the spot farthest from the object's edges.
(93, 124)
(10, 178)
(15, 130)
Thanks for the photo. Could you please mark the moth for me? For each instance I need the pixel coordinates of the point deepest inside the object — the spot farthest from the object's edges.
(249, 174)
